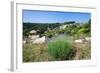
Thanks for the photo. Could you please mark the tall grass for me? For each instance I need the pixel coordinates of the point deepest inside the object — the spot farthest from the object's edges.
(27, 52)
(35, 53)
(61, 48)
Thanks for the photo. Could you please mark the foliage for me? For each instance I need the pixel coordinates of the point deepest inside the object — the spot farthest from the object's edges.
(60, 48)
(41, 27)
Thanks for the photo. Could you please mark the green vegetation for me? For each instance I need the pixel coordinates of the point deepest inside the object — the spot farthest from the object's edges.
(61, 48)
(61, 45)
(41, 27)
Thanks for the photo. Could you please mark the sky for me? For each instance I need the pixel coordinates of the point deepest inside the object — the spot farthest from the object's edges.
(36, 16)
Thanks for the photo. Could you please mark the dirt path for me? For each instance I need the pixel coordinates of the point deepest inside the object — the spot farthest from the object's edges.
(78, 52)
(78, 48)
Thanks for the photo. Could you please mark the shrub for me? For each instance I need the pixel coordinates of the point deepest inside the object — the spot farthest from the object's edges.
(61, 48)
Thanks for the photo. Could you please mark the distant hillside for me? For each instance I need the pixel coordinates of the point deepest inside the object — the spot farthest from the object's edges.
(41, 27)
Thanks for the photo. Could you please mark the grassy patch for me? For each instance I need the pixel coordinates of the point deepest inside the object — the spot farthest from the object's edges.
(35, 53)
(61, 48)
(58, 48)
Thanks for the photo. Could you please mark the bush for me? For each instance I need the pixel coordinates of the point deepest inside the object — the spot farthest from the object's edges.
(61, 48)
